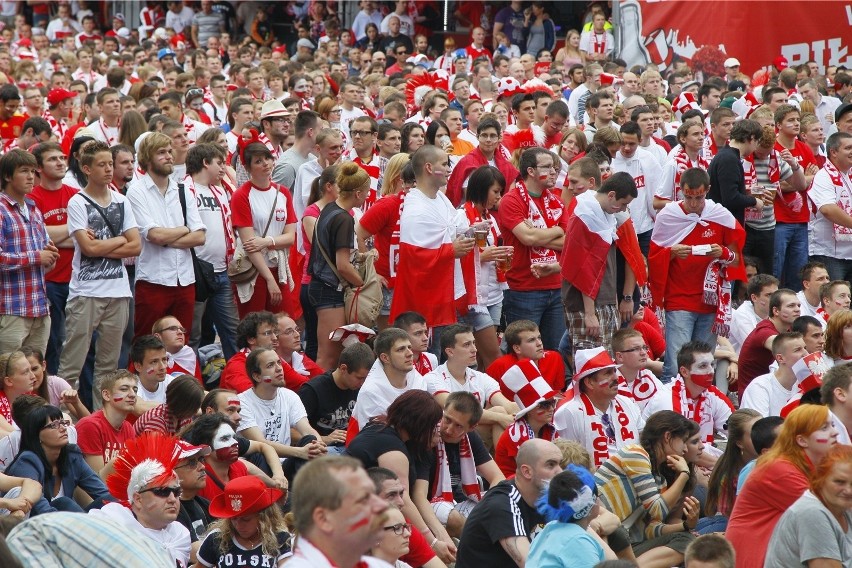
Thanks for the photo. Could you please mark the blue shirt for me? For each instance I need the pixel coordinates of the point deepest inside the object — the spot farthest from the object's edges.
(564, 545)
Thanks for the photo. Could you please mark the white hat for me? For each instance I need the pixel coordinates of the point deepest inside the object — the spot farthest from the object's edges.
(304, 42)
(732, 62)
(123, 33)
(525, 380)
(273, 107)
(590, 361)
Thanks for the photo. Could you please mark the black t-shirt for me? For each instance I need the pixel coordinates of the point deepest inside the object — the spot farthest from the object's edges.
(375, 440)
(194, 516)
(209, 554)
(392, 43)
(328, 406)
(335, 229)
(480, 456)
(502, 513)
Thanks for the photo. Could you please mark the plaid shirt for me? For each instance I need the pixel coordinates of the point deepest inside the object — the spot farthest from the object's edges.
(22, 287)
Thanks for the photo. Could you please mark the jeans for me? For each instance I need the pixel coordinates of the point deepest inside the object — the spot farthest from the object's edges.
(838, 268)
(542, 307)
(791, 254)
(57, 295)
(223, 310)
(761, 246)
(311, 322)
(645, 242)
(681, 328)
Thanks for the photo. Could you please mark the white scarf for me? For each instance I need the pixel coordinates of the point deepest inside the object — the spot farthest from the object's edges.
(443, 491)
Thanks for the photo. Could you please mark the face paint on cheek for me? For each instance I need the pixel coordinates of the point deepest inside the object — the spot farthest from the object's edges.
(543, 177)
(702, 380)
(118, 398)
(358, 524)
(267, 378)
(228, 454)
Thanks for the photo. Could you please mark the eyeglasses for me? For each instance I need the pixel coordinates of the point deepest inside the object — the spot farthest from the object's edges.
(546, 404)
(356, 133)
(399, 528)
(635, 349)
(269, 333)
(164, 492)
(193, 463)
(291, 331)
(608, 429)
(173, 328)
(57, 424)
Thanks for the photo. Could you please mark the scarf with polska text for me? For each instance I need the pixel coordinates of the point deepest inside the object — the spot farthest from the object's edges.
(717, 291)
(843, 190)
(443, 491)
(553, 209)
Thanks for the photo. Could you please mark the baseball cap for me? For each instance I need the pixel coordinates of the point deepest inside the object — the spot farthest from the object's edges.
(56, 96)
(841, 110)
(119, 16)
(304, 42)
(732, 62)
(780, 63)
(165, 52)
(187, 450)
(123, 32)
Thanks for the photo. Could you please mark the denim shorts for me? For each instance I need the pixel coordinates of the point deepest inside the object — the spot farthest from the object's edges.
(323, 296)
(477, 320)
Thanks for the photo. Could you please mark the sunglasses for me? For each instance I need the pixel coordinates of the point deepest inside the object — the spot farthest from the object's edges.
(547, 404)
(164, 492)
(608, 429)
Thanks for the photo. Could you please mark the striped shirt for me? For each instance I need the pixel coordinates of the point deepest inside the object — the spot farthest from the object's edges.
(160, 419)
(23, 236)
(625, 483)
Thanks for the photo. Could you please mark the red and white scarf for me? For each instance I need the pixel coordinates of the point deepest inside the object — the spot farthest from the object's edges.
(423, 365)
(599, 45)
(692, 410)
(843, 190)
(473, 218)
(443, 491)
(553, 209)
(717, 291)
(110, 140)
(268, 143)
(822, 313)
(684, 162)
(710, 149)
(57, 125)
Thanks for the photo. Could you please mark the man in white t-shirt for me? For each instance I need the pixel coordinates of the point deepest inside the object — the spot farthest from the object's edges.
(769, 393)
(459, 345)
(415, 325)
(104, 230)
(598, 417)
(646, 172)
(150, 362)
(392, 374)
(814, 275)
(205, 166)
(752, 311)
(269, 410)
(406, 24)
(635, 379)
(351, 95)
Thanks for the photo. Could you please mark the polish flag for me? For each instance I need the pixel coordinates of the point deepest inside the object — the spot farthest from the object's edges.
(429, 277)
(593, 232)
(684, 102)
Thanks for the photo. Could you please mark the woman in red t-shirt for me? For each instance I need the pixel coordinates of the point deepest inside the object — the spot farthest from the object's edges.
(778, 480)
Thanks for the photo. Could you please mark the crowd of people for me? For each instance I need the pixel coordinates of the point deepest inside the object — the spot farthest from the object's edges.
(613, 310)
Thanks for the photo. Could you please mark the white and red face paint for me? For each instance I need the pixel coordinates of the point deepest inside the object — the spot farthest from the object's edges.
(225, 444)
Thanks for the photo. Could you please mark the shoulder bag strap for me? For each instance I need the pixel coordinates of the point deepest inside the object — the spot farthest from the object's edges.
(318, 244)
(271, 213)
(100, 210)
(182, 198)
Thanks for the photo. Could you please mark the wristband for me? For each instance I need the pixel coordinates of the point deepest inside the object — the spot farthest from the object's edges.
(434, 541)
(272, 246)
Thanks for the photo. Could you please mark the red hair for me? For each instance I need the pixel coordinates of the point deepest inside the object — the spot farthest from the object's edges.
(838, 455)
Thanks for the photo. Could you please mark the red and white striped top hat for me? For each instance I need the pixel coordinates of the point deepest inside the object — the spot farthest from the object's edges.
(590, 361)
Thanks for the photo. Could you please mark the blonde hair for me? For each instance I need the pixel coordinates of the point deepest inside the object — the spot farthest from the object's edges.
(573, 452)
(270, 523)
(6, 361)
(149, 146)
(351, 177)
(393, 172)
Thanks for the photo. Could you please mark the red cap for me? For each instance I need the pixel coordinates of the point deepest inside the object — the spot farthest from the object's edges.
(780, 63)
(56, 96)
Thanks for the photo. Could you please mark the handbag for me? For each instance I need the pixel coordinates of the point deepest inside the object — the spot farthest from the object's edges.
(240, 269)
(205, 274)
(361, 304)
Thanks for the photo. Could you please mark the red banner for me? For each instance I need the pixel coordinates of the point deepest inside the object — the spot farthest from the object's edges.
(755, 32)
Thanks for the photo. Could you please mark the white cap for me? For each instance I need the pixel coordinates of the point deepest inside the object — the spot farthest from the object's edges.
(732, 62)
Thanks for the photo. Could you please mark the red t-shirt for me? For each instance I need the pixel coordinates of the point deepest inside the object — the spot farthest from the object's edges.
(551, 366)
(380, 220)
(419, 552)
(53, 205)
(11, 128)
(512, 439)
(212, 489)
(97, 437)
(771, 489)
(783, 213)
(685, 285)
(473, 52)
(755, 358)
(513, 211)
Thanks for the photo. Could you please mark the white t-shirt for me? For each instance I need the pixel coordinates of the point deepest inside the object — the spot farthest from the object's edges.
(743, 322)
(406, 25)
(257, 206)
(476, 383)
(711, 409)
(766, 395)
(579, 420)
(821, 238)
(588, 40)
(99, 277)
(377, 393)
(646, 172)
(159, 395)
(346, 118)
(807, 308)
(273, 417)
(214, 249)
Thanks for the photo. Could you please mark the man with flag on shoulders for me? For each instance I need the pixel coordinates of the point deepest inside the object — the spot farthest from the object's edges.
(594, 310)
